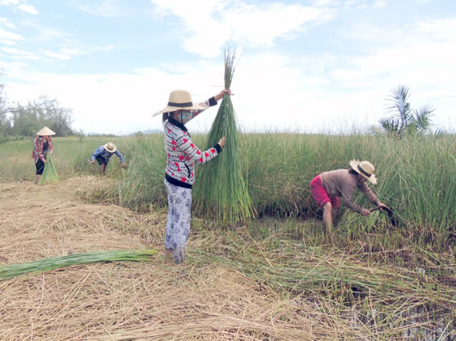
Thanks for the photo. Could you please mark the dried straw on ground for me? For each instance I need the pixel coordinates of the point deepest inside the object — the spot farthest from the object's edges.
(119, 301)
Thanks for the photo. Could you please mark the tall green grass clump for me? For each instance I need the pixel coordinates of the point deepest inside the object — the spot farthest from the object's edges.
(222, 192)
(143, 185)
(49, 175)
(417, 180)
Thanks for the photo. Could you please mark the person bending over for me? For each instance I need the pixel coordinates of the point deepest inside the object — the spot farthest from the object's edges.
(327, 188)
(103, 153)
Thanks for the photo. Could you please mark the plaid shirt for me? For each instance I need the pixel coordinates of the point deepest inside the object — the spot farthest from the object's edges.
(182, 153)
(38, 143)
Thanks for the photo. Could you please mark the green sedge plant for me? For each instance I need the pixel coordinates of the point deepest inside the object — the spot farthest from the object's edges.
(222, 193)
(49, 175)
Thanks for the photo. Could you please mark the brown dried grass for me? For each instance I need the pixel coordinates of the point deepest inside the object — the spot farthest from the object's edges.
(128, 301)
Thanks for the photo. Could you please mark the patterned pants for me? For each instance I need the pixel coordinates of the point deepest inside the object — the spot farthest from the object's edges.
(178, 224)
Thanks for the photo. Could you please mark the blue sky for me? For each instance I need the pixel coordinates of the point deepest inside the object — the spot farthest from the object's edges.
(303, 66)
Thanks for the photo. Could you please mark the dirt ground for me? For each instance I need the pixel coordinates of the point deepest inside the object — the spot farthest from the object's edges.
(155, 300)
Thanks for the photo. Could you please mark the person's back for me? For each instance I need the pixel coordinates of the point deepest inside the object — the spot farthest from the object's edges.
(339, 182)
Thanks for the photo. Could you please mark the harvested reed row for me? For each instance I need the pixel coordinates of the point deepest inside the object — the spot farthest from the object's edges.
(222, 192)
(385, 300)
(14, 270)
(295, 267)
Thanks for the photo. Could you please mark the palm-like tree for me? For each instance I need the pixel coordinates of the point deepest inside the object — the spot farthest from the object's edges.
(404, 119)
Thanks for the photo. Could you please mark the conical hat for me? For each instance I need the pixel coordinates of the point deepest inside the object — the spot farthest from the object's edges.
(45, 132)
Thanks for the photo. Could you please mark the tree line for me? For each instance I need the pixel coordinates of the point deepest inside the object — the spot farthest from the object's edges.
(19, 121)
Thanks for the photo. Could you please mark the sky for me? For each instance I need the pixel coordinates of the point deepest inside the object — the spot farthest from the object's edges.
(301, 66)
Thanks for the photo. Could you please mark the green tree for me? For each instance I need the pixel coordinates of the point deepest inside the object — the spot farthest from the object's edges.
(5, 123)
(404, 119)
(42, 112)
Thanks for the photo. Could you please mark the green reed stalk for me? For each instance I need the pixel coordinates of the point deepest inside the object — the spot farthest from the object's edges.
(222, 192)
(14, 270)
(49, 175)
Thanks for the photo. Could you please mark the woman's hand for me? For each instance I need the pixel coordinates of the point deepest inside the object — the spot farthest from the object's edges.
(222, 142)
(383, 206)
(221, 94)
(365, 212)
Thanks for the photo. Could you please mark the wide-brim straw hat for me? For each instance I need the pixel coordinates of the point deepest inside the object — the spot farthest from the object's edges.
(45, 132)
(365, 168)
(179, 99)
(110, 147)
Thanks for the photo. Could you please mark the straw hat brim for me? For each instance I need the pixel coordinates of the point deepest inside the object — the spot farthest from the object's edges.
(45, 132)
(171, 108)
(110, 150)
(354, 165)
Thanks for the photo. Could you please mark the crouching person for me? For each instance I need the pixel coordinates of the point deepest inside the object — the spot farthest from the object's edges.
(104, 153)
(328, 187)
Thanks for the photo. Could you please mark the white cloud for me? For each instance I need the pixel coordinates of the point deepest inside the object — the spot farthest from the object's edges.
(9, 2)
(216, 22)
(28, 9)
(65, 53)
(6, 22)
(108, 8)
(19, 54)
(9, 38)
(439, 29)
(321, 3)
(380, 3)
(104, 48)
(272, 91)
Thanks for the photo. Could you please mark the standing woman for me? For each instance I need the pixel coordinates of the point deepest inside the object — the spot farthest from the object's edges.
(42, 145)
(182, 154)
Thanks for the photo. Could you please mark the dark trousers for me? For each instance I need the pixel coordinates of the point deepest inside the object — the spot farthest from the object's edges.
(39, 167)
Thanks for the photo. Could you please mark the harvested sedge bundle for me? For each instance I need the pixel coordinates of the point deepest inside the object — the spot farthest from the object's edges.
(49, 175)
(222, 193)
(15, 270)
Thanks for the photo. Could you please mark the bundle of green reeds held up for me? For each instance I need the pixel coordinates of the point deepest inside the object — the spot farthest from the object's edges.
(222, 193)
(49, 175)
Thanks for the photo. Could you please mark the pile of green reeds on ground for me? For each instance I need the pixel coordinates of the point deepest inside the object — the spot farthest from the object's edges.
(13, 270)
(222, 193)
(49, 175)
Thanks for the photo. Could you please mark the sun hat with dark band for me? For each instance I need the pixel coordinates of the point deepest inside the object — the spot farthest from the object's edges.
(45, 132)
(365, 168)
(179, 99)
(110, 147)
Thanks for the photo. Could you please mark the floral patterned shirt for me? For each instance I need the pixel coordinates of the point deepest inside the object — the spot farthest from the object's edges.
(182, 153)
(38, 153)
